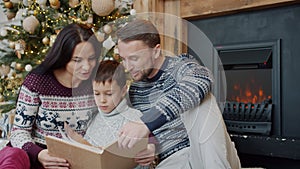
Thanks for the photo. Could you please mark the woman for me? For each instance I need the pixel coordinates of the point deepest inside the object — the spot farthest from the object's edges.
(57, 91)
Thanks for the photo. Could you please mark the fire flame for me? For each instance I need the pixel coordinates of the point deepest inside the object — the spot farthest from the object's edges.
(247, 95)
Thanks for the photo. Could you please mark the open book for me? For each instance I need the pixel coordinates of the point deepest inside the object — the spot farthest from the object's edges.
(81, 156)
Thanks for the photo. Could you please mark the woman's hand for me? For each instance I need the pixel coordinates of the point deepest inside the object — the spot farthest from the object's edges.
(50, 162)
(147, 156)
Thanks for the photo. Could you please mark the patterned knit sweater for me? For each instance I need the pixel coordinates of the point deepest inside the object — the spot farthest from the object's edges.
(180, 85)
(43, 106)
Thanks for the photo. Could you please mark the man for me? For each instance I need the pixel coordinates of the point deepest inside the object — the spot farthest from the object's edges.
(170, 90)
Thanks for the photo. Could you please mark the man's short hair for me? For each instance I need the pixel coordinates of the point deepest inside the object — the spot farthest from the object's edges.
(139, 30)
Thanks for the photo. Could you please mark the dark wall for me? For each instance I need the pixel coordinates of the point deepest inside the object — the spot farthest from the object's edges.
(264, 25)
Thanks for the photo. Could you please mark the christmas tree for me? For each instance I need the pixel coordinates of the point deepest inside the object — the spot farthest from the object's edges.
(32, 26)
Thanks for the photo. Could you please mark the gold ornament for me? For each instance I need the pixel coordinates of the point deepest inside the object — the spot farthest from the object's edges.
(107, 29)
(9, 86)
(1, 90)
(42, 2)
(18, 66)
(56, 6)
(73, 3)
(20, 47)
(46, 40)
(30, 23)
(8, 5)
(10, 15)
(12, 45)
(54, 2)
(4, 70)
(52, 39)
(35, 12)
(103, 7)
(1, 98)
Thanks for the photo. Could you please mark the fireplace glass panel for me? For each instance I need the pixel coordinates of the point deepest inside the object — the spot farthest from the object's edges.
(253, 85)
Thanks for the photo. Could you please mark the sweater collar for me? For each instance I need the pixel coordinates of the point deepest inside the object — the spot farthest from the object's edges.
(160, 71)
(119, 109)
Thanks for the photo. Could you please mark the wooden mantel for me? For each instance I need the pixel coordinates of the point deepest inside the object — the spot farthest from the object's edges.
(195, 9)
(207, 8)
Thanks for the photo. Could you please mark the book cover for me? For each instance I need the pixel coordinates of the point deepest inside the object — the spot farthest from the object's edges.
(81, 156)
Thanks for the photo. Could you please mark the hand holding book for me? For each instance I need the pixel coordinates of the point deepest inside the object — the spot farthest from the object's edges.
(72, 135)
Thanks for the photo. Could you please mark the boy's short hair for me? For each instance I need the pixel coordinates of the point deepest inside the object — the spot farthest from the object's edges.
(110, 70)
(140, 29)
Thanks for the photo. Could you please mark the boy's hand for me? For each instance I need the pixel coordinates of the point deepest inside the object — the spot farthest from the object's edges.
(131, 133)
(71, 133)
(74, 135)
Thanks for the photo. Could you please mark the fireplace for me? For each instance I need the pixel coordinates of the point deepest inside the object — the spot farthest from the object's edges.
(252, 83)
(274, 30)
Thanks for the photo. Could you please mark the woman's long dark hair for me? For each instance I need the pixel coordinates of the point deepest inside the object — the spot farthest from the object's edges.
(62, 50)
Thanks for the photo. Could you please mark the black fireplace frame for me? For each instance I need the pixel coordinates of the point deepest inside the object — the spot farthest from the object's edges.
(274, 45)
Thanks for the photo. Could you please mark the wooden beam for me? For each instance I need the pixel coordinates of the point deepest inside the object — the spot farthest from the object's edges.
(165, 14)
(172, 28)
(144, 6)
(200, 9)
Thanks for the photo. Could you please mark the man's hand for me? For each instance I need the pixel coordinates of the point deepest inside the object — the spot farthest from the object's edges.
(131, 133)
(49, 162)
(147, 156)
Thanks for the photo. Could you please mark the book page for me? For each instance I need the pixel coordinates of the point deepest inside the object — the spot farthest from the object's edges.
(79, 156)
(128, 153)
(51, 140)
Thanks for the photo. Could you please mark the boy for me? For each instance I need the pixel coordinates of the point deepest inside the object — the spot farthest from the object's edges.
(110, 88)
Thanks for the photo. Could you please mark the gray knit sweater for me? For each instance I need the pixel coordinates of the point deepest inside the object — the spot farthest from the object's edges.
(104, 128)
